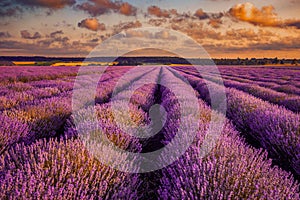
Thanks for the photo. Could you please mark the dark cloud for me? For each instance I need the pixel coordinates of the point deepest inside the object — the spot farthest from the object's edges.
(5, 3)
(46, 48)
(172, 17)
(5, 35)
(201, 14)
(26, 35)
(52, 4)
(157, 22)
(16, 7)
(60, 41)
(213, 17)
(56, 33)
(294, 23)
(94, 40)
(92, 24)
(10, 11)
(158, 12)
(125, 26)
(265, 16)
(100, 7)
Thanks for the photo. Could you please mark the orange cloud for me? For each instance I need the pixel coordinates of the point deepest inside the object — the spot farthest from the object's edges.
(127, 9)
(92, 24)
(158, 12)
(265, 16)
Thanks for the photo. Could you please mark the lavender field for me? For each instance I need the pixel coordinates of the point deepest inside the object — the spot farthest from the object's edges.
(255, 156)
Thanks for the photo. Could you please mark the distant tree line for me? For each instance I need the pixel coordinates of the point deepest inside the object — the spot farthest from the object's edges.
(256, 61)
(39, 60)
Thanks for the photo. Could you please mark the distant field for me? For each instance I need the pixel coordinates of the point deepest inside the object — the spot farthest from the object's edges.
(257, 155)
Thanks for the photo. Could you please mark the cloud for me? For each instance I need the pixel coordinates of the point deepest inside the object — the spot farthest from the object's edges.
(158, 12)
(52, 4)
(165, 35)
(26, 35)
(293, 22)
(10, 11)
(94, 40)
(201, 14)
(138, 33)
(215, 23)
(281, 43)
(244, 36)
(196, 30)
(92, 24)
(157, 22)
(100, 7)
(55, 33)
(125, 26)
(63, 24)
(60, 41)
(50, 48)
(265, 16)
(5, 35)
(15, 7)
(127, 9)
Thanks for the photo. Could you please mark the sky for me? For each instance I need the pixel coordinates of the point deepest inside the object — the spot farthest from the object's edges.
(221, 28)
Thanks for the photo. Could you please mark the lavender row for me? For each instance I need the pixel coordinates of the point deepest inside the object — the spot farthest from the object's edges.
(291, 102)
(264, 74)
(141, 92)
(289, 87)
(274, 128)
(282, 80)
(33, 73)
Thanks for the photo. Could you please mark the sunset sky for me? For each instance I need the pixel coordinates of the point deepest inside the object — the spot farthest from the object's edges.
(224, 28)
